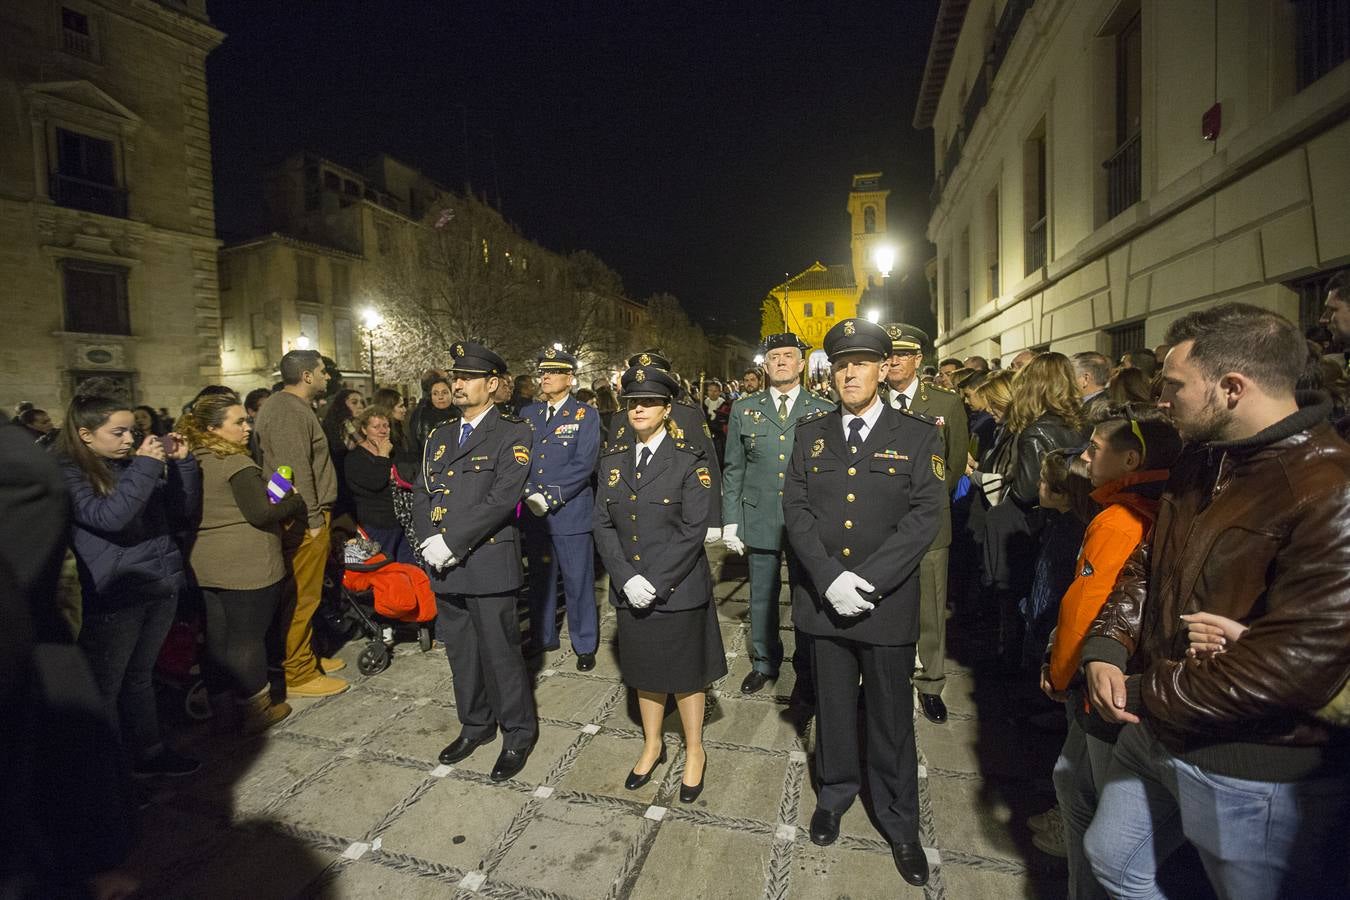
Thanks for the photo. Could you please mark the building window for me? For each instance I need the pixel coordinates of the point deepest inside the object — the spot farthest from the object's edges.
(1125, 338)
(963, 273)
(806, 310)
(77, 34)
(332, 182)
(86, 175)
(223, 275)
(1322, 38)
(1123, 167)
(306, 281)
(869, 219)
(227, 334)
(309, 329)
(341, 277)
(257, 326)
(948, 322)
(1036, 206)
(342, 344)
(829, 309)
(384, 239)
(95, 298)
(991, 245)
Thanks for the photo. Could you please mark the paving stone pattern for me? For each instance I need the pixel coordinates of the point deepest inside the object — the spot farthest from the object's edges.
(347, 799)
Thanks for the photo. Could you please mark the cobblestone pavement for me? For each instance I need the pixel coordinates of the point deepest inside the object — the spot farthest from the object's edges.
(346, 798)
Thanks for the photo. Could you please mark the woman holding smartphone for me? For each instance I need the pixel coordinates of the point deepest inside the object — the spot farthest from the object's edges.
(127, 503)
(650, 517)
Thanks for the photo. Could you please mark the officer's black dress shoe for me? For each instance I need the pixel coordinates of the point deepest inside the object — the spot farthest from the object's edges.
(912, 862)
(461, 748)
(509, 763)
(824, 827)
(754, 682)
(635, 781)
(934, 710)
(689, 792)
(585, 662)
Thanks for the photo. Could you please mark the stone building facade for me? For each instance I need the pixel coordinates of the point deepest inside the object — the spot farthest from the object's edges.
(1106, 166)
(107, 230)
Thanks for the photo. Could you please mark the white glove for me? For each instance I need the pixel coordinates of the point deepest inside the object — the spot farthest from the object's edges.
(537, 504)
(436, 552)
(713, 536)
(845, 595)
(733, 543)
(639, 592)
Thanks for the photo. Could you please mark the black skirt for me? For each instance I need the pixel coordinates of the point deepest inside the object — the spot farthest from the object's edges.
(670, 652)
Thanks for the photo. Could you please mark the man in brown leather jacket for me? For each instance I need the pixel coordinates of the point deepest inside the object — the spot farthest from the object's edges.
(1234, 752)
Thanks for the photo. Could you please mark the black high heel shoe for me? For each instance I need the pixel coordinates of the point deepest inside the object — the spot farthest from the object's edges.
(635, 781)
(688, 793)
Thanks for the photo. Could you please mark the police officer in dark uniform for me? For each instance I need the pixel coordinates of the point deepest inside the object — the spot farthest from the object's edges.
(651, 506)
(689, 425)
(562, 502)
(905, 390)
(474, 468)
(861, 504)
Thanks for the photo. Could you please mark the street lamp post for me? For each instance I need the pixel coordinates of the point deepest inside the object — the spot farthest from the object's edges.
(884, 258)
(372, 320)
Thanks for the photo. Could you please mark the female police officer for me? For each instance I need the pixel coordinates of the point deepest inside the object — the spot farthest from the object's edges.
(650, 519)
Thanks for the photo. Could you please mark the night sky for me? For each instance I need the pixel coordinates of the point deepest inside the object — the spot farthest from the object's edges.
(700, 150)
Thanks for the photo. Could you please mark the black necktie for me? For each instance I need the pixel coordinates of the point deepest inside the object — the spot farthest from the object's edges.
(903, 400)
(855, 434)
(646, 458)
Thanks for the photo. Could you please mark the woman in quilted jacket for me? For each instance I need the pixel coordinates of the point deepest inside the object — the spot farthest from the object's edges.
(128, 503)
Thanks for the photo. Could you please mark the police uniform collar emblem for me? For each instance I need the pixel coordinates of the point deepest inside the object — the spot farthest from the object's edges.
(581, 413)
(440, 451)
(849, 329)
(645, 359)
(613, 477)
(818, 447)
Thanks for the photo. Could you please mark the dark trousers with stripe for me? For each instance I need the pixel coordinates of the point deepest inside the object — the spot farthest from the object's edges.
(574, 556)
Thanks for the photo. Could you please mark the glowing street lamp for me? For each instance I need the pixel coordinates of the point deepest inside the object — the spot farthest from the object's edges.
(874, 316)
(302, 342)
(884, 258)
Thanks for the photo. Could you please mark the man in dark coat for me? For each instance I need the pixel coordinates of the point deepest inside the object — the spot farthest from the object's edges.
(474, 468)
(863, 496)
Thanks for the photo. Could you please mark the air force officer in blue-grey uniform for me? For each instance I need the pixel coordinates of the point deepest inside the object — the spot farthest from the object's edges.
(561, 498)
(865, 489)
(474, 468)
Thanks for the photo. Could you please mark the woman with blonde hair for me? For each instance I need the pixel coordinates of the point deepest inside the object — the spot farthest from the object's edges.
(238, 562)
(369, 473)
(1042, 416)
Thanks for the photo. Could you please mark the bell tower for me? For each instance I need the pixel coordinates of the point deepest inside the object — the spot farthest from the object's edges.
(867, 212)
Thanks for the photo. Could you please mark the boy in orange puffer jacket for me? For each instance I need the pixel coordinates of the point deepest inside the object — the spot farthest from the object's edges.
(1128, 458)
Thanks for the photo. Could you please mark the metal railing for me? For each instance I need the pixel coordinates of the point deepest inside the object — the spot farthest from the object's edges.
(1123, 176)
(90, 196)
(1036, 245)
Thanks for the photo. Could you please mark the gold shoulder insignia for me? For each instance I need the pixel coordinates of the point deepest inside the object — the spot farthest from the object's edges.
(927, 420)
(508, 417)
(813, 416)
(614, 448)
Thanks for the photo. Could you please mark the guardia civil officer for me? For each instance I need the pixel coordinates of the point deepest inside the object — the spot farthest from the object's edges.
(650, 514)
(562, 502)
(474, 468)
(687, 423)
(863, 496)
(759, 442)
(945, 409)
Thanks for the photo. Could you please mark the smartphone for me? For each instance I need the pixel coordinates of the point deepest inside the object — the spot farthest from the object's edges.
(170, 444)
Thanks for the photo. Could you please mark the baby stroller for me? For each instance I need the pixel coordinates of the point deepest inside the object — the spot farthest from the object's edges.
(383, 597)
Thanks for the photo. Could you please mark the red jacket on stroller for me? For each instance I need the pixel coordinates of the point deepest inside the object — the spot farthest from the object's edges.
(402, 592)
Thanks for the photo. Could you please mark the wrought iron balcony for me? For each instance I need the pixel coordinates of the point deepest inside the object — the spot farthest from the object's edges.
(1123, 177)
(90, 196)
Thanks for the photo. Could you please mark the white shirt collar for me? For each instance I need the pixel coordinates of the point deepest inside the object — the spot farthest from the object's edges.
(653, 442)
(475, 422)
(791, 395)
(909, 393)
(869, 417)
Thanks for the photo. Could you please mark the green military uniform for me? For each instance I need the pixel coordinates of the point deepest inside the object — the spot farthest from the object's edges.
(946, 409)
(759, 445)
